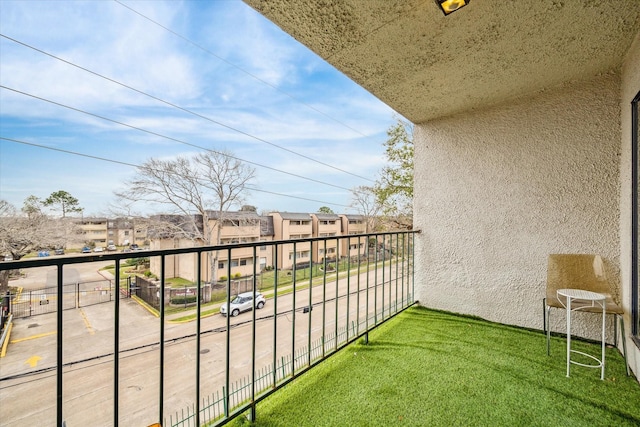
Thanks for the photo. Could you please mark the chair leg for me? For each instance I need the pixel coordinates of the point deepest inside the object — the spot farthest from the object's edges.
(548, 328)
(624, 343)
(544, 314)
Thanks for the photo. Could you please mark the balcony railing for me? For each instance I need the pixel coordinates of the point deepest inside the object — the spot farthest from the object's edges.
(112, 358)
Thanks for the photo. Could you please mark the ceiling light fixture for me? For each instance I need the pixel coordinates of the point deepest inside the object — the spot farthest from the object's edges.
(450, 6)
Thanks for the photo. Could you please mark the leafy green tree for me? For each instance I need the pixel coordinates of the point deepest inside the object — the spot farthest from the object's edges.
(63, 202)
(394, 188)
(325, 210)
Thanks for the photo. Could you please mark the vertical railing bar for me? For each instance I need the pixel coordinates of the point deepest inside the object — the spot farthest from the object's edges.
(390, 270)
(366, 317)
(199, 329)
(358, 286)
(309, 312)
(375, 287)
(253, 341)
(384, 257)
(402, 257)
(397, 271)
(413, 270)
(324, 296)
(275, 316)
(59, 344)
(348, 283)
(116, 347)
(293, 315)
(162, 331)
(228, 331)
(336, 300)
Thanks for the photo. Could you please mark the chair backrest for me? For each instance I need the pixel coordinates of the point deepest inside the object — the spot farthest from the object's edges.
(576, 271)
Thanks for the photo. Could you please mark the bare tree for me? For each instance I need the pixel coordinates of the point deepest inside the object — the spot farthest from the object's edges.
(365, 201)
(194, 187)
(22, 233)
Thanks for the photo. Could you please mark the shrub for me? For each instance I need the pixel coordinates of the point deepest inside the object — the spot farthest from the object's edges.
(189, 299)
(237, 275)
(222, 279)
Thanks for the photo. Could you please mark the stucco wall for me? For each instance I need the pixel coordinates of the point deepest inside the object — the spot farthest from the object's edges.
(630, 87)
(498, 190)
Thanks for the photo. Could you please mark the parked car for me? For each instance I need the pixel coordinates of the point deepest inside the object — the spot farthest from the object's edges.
(134, 247)
(43, 253)
(59, 251)
(98, 249)
(112, 248)
(243, 302)
(86, 250)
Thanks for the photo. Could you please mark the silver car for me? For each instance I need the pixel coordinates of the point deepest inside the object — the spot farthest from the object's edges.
(243, 302)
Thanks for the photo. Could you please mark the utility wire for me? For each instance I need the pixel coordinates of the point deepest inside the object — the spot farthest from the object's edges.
(237, 67)
(180, 108)
(171, 138)
(119, 162)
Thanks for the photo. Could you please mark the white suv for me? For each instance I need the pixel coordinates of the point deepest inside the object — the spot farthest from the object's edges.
(243, 302)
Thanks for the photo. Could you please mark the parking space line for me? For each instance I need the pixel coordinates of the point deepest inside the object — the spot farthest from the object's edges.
(33, 337)
(86, 322)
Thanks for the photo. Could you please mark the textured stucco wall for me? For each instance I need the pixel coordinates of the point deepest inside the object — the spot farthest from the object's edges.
(498, 190)
(630, 87)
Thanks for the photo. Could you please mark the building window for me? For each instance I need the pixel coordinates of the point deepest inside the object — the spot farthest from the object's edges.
(220, 265)
(301, 254)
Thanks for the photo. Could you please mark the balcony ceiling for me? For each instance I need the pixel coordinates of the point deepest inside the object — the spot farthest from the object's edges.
(426, 65)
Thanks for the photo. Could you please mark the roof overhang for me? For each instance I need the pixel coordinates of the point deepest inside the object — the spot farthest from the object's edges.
(427, 65)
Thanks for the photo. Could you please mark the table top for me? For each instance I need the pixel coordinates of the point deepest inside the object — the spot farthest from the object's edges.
(581, 294)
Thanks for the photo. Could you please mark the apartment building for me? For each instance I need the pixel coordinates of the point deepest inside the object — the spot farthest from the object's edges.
(176, 231)
(92, 230)
(235, 228)
(292, 226)
(326, 225)
(243, 227)
(352, 225)
(127, 231)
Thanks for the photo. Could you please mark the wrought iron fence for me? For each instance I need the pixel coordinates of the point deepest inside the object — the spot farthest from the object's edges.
(233, 363)
(31, 302)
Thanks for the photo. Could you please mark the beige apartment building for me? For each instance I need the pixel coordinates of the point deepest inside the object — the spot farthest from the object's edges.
(92, 230)
(326, 225)
(101, 231)
(292, 226)
(235, 228)
(352, 225)
(127, 231)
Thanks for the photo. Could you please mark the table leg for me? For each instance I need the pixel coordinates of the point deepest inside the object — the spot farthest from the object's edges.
(604, 309)
(568, 336)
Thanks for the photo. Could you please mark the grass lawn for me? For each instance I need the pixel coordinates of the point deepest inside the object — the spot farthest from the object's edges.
(429, 368)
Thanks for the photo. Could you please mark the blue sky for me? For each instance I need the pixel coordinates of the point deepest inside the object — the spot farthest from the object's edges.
(220, 60)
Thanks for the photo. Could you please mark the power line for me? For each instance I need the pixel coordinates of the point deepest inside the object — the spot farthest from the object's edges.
(181, 108)
(119, 162)
(171, 138)
(237, 67)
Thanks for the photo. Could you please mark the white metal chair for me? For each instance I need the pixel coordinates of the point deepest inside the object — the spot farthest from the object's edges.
(580, 271)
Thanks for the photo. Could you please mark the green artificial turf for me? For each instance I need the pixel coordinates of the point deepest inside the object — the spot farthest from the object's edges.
(429, 368)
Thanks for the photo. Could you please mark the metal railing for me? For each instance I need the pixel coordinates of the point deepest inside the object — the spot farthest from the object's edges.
(209, 369)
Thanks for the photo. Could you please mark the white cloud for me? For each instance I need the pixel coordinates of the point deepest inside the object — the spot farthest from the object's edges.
(109, 39)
